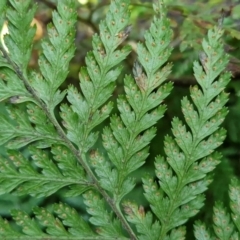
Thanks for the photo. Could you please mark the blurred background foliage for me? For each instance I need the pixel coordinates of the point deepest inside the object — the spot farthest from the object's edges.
(190, 20)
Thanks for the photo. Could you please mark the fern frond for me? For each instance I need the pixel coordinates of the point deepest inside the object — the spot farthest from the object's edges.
(59, 222)
(102, 218)
(200, 231)
(62, 156)
(97, 79)
(234, 194)
(42, 176)
(19, 17)
(97, 82)
(127, 140)
(223, 223)
(22, 127)
(58, 50)
(224, 228)
(83, 114)
(24, 86)
(190, 156)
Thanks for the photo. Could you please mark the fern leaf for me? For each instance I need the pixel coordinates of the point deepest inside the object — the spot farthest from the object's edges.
(223, 227)
(127, 139)
(19, 18)
(144, 221)
(200, 232)
(190, 155)
(57, 53)
(70, 160)
(35, 90)
(60, 222)
(101, 217)
(223, 223)
(129, 135)
(234, 194)
(43, 88)
(23, 177)
(97, 79)
(22, 127)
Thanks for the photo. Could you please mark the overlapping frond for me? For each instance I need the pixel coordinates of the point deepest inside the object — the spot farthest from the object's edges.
(128, 137)
(97, 79)
(182, 175)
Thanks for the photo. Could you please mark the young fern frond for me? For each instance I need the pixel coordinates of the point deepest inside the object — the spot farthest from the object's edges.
(190, 156)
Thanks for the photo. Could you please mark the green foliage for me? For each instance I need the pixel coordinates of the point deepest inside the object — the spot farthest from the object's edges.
(182, 175)
(84, 113)
(18, 130)
(58, 50)
(67, 224)
(225, 226)
(41, 176)
(127, 138)
(51, 134)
